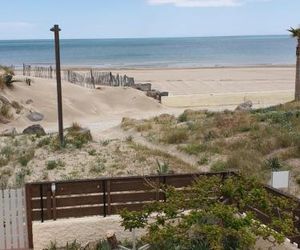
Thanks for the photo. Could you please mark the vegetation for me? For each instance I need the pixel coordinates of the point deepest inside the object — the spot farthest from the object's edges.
(36, 158)
(241, 141)
(210, 218)
(54, 164)
(296, 34)
(6, 77)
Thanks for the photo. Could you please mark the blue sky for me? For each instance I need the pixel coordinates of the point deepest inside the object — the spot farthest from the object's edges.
(30, 19)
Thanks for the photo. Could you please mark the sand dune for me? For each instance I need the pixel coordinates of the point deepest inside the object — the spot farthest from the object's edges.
(86, 106)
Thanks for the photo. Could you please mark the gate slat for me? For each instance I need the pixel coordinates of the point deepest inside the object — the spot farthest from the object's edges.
(13, 210)
(7, 219)
(21, 224)
(2, 239)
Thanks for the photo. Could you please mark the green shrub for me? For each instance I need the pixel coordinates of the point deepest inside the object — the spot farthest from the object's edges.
(162, 168)
(44, 141)
(53, 164)
(98, 167)
(5, 111)
(183, 117)
(92, 152)
(175, 136)
(25, 157)
(204, 159)
(104, 143)
(78, 138)
(218, 166)
(273, 164)
(194, 149)
(7, 151)
(20, 176)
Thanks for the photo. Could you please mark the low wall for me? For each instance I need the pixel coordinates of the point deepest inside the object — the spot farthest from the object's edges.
(83, 230)
(228, 99)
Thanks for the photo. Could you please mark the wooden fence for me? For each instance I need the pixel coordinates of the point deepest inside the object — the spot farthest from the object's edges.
(90, 79)
(107, 196)
(13, 227)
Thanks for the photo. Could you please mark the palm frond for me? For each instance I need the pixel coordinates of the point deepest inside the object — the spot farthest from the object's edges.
(294, 32)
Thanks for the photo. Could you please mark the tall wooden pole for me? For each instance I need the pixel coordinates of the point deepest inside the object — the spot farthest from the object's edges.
(56, 31)
(297, 84)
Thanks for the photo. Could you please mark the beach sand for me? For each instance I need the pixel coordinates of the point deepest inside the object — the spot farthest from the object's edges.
(201, 88)
(220, 87)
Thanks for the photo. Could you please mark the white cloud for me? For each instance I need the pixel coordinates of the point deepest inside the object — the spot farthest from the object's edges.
(202, 3)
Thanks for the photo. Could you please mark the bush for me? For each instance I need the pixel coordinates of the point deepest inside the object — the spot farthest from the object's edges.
(183, 117)
(26, 156)
(218, 166)
(75, 127)
(92, 152)
(20, 176)
(44, 141)
(98, 167)
(162, 168)
(194, 149)
(209, 218)
(204, 159)
(53, 164)
(273, 164)
(175, 136)
(5, 111)
(78, 137)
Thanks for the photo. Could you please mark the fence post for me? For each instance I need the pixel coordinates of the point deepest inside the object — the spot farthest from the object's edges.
(104, 197)
(108, 198)
(92, 78)
(164, 182)
(29, 215)
(41, 202)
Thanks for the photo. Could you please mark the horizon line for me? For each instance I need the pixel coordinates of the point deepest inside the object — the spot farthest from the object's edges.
(154, 37)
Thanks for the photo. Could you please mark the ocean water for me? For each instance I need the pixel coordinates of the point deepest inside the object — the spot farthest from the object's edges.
(154, 52)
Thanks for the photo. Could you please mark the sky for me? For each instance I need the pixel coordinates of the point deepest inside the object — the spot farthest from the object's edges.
(32, 19)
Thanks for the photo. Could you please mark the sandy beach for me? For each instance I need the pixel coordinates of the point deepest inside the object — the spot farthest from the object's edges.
(198, 88)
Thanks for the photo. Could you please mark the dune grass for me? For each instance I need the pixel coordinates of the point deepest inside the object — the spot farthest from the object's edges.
(245, 140)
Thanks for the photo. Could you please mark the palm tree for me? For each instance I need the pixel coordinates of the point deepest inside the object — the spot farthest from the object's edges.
(296, 34)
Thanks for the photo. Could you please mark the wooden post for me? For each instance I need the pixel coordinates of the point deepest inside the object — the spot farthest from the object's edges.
(104, 197)
(92, 78)
(164, 182)
(51, 72)
(42, 202)
(108, 198)
(56, 31)
(29, 215)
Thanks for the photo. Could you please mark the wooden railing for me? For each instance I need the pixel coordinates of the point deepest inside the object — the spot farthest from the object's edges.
(107, 196)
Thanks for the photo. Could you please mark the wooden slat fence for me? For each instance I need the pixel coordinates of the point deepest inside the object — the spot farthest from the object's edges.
(13, 226)
(89, 79)
(107, 196)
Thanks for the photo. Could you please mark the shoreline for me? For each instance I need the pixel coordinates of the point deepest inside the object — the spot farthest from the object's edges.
(137, 68)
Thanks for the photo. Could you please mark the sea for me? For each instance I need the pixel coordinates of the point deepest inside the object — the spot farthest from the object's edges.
(154, 52)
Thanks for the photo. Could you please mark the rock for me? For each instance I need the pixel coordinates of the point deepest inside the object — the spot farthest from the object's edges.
(9, 132)
(35, 116)
(29, 101)
(4, 100)
(245, 106)
(35, 130)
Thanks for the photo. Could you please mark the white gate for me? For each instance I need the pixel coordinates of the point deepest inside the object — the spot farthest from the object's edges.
(13, 226)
